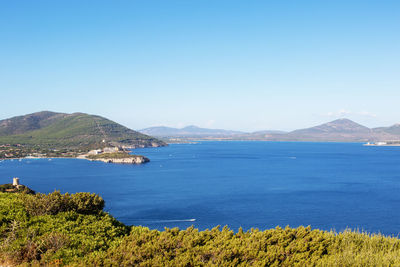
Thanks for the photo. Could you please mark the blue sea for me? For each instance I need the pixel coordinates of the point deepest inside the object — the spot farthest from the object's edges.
(239, 184)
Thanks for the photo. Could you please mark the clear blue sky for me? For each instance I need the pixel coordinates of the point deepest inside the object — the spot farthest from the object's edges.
(244, 65)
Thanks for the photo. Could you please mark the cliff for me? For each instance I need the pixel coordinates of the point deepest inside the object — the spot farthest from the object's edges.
(118, 157)
(129, 160)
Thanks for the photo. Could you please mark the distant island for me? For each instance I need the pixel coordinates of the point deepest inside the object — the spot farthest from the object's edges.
(341, 130)
(52, 134)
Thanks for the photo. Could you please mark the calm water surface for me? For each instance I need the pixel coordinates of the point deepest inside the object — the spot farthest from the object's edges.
(239, 184)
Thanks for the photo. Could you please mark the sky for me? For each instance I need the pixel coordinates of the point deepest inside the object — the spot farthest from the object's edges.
(240, 65)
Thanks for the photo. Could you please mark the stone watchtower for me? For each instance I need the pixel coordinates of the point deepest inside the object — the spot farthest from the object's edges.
(16, 181)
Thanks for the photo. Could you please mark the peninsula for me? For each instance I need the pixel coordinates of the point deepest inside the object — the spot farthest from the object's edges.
(117, 157)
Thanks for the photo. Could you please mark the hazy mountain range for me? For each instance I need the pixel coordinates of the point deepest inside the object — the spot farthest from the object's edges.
(341, 130)
(78, 129)
(188, 131)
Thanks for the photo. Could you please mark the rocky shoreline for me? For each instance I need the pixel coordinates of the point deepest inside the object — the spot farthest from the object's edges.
(128, 160)
(114, 155)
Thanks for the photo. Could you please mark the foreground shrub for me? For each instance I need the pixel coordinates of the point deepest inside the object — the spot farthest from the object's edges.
(276, 247)
(87, 203)
(173, 247)
(53, 228)
(53, 203)
(74, 231)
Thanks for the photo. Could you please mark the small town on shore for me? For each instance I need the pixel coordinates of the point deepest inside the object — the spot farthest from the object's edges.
(383, 143)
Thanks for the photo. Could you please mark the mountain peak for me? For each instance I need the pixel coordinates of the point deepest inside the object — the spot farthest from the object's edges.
(190, 127)
(343, 125)
(339, 126)
(343, 120)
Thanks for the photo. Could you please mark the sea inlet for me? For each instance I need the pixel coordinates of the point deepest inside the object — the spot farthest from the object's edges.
(238, 184)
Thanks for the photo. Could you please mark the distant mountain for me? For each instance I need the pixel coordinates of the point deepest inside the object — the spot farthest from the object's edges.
(337, 126)
(269, 132)
(160, 131)
(189, 131)
(61, 130)
(337, 130)
(392, 130)
(341, 130)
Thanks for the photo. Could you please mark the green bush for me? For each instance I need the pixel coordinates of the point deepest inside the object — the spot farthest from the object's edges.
(53, 203)
(73, 230)
(61, 228)
(87, 203)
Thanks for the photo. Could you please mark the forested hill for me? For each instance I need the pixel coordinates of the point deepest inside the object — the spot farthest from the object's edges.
(77, 130)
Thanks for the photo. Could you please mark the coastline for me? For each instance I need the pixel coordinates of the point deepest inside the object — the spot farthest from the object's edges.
(108, 160)
(41, 158)
(381, 145)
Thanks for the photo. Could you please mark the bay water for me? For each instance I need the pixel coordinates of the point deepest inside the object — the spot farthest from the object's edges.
(239, 184)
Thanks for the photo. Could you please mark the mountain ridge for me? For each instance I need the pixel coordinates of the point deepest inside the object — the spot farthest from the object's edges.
(339, 130)
(191, 130)
(339, 125)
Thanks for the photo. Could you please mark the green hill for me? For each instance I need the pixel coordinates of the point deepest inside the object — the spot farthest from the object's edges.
(70, 131)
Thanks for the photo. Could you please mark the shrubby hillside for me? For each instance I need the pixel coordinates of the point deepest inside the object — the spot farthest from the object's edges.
(77, 130)
(73, 230)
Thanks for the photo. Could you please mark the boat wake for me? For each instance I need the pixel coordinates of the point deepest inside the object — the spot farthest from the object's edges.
(165, 221)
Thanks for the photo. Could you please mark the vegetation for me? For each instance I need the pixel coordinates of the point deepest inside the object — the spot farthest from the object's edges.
(21, 151)
(49, 133)
(73, 230)
(114, 155)
(54, 228)
(10, 188)
(54, 203)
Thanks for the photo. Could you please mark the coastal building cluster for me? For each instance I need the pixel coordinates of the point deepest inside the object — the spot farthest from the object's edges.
(105, 150)
(383, 143)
